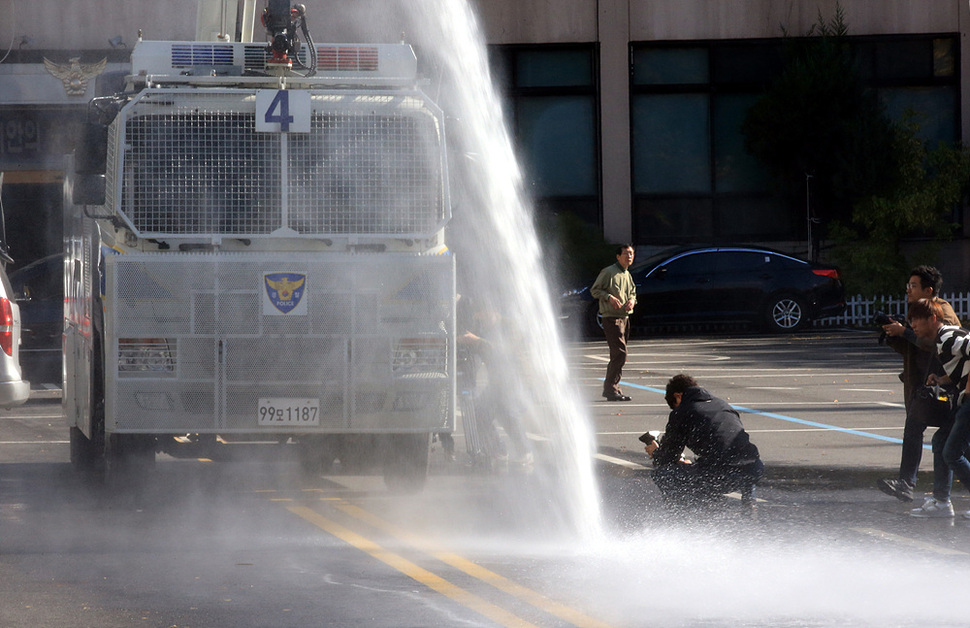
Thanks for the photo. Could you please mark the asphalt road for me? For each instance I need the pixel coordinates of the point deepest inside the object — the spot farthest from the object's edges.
(251, 542)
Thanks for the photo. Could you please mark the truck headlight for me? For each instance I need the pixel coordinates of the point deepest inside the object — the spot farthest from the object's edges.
(146, 356)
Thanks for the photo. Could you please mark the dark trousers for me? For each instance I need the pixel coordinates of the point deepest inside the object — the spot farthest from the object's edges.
(617, 331)
(957, 443)
(688, 483)
(912, 453)
(942, 475)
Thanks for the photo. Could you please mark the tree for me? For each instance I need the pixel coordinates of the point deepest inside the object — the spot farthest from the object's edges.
(918, 208)
(574, 250)
(819, 119)
(875, 184)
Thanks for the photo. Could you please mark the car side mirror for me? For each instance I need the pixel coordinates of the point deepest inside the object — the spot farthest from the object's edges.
(91, 152)
(88, 189)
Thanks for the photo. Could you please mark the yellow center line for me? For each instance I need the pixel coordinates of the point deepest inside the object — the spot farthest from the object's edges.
(474, 570)
(408, 568)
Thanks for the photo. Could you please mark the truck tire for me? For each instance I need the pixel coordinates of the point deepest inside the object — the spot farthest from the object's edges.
(316, 454)
(84, 453)
(88, 454)
(406, 462)
(128, 460)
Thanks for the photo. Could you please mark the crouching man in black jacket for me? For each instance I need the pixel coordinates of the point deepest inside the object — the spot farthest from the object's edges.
(725, 459)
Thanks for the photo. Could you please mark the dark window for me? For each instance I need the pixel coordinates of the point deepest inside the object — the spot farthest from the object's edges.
(673, 220)
(693, 178)
(553, 68)
(557, 136)
(43, 281)
(748, 62)
(742, 261)
(767, 218)
(904, 60)
(552, 97)
(935, 108)
(693, 264)
(670, 66)
(735, 169)
(780, 262)
(34, 223)
(671, 143)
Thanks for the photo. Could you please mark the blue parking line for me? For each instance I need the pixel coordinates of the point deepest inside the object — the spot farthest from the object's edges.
(792, 419)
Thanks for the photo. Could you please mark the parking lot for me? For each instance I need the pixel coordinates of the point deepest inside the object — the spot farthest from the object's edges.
(248, 542)
(824, 408)
(825, 399)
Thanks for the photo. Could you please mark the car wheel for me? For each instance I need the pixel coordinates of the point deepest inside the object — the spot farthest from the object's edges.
(785, 313)
(593, 322)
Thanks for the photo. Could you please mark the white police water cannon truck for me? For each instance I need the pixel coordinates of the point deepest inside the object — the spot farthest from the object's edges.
(254, 252)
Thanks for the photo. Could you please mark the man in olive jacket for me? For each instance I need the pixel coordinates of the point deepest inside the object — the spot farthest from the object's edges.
(617, 294)
(725, 458)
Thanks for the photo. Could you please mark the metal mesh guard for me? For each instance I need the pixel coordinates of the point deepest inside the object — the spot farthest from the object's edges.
(196, 166)
(199, 341)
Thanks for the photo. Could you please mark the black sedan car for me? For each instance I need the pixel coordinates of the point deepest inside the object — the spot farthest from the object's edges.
(722, 284)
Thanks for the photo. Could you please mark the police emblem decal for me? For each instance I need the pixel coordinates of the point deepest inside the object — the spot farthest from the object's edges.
(284, 292)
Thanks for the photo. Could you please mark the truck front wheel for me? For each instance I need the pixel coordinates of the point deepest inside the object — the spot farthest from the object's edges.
(317, 454)
(88, 454)
(84, 453)
(128, 460)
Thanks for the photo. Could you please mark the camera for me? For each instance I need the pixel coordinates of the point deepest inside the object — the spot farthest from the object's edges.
(881, 318)
(932, 393)
(651, 436)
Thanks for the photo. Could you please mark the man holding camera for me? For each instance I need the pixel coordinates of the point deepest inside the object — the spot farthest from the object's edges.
(919, 361)
(951, 442)
(725, 458)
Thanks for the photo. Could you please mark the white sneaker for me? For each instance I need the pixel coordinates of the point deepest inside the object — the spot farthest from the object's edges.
(933, 508)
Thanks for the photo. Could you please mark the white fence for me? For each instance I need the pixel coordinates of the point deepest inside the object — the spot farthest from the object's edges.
(860, 310)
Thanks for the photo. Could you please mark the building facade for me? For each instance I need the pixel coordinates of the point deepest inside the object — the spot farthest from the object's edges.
(625, 112)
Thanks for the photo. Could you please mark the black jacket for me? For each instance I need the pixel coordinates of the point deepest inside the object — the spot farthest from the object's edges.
(919, 355)
(710, 428)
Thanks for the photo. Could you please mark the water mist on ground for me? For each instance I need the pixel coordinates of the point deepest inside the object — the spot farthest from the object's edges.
(675, 574)
(738, 575)
(670, 573)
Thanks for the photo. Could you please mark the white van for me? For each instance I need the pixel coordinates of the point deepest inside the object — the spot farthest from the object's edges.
(13, 389)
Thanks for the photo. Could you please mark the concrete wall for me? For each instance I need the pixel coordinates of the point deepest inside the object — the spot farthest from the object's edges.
(531, 21)
(67, 26)
(89, 24)
(732, 19)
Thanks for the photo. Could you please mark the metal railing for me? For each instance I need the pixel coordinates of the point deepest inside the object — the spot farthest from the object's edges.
(860, 310)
